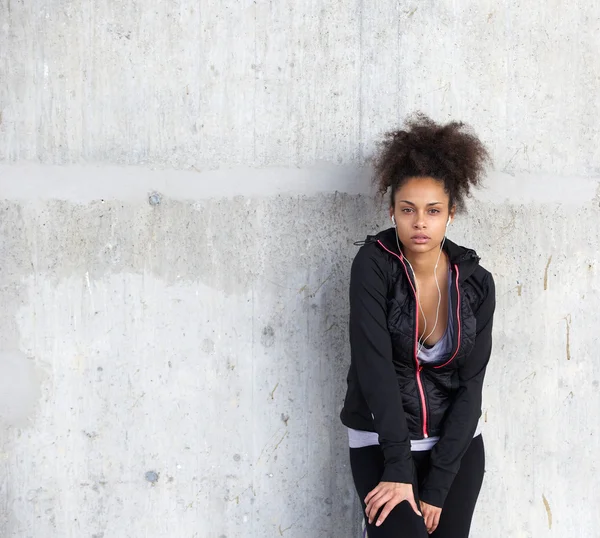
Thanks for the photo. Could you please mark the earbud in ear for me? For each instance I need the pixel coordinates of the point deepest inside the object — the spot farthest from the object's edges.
(448, 223)
(394, 221)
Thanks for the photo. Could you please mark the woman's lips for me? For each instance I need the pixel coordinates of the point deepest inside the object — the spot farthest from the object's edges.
(420, 239)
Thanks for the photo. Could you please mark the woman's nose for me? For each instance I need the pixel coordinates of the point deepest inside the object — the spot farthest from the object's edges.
(419, 222)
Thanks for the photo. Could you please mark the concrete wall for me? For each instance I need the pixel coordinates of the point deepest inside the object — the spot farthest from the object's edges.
(181, 186)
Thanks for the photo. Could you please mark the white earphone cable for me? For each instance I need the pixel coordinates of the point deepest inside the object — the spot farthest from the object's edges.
(422, 339)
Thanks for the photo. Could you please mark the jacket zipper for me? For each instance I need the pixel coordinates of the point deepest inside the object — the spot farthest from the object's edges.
(416, 345)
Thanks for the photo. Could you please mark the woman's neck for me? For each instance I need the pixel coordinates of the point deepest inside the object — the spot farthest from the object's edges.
(423, 264)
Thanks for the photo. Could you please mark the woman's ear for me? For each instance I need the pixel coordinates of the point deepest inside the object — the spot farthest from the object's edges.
(392, 217)
(451, 214)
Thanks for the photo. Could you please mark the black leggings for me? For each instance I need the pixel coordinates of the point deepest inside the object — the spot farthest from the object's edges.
(457, 513)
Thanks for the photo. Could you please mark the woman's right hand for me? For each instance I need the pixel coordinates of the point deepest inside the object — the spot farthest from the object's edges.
(388, 495)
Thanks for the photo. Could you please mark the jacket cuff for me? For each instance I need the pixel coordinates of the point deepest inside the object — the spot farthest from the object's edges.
(398, 473)
(436, 487)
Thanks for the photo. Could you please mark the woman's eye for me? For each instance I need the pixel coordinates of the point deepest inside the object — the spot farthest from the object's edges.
(434, 211)
(406, 210)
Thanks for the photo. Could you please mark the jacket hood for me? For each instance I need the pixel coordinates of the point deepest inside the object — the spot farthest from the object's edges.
(466, 258)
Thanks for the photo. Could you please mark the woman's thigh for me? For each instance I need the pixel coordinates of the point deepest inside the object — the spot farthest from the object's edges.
(457, 514)
(367, 469)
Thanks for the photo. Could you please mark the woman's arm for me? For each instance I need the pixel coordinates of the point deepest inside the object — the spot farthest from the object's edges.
(460, 424)
(371, 350)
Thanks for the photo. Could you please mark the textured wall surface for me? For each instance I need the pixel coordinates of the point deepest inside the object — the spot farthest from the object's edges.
(181, 184)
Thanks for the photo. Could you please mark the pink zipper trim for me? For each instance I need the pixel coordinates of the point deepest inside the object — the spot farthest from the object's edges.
(419, 368)
(458, 319)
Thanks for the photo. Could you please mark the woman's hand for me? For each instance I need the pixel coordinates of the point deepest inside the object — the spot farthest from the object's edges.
(388, 495)
(431, 515)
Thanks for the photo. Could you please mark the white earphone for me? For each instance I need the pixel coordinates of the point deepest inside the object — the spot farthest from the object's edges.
(425, 336)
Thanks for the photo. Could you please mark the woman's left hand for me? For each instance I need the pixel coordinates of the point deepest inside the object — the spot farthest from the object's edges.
(431, 515)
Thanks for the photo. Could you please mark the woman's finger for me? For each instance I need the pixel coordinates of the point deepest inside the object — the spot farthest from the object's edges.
(373, 492)
(375, 500)
(414, 506)
(381, 493)
(371, 512)
(426, 519)
(389, 506)
(376, 505)
(436, 521)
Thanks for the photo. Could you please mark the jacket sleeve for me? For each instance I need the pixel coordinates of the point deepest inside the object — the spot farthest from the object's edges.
(371, 350)
(461, 422)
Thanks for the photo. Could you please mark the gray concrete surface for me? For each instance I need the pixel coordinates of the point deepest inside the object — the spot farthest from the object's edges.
(181, 186)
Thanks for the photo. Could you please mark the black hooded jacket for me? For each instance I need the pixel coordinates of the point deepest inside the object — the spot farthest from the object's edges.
(389, 391)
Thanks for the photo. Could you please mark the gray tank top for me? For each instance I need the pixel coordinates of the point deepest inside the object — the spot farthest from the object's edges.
(439, 351)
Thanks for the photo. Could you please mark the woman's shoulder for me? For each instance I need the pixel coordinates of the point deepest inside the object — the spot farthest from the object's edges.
(469, 263)
(483, 275)
(375, 258)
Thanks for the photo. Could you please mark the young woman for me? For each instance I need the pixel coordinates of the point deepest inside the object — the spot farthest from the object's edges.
(421, 310)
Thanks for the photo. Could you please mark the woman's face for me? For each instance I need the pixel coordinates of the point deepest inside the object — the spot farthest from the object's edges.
(421, 210)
